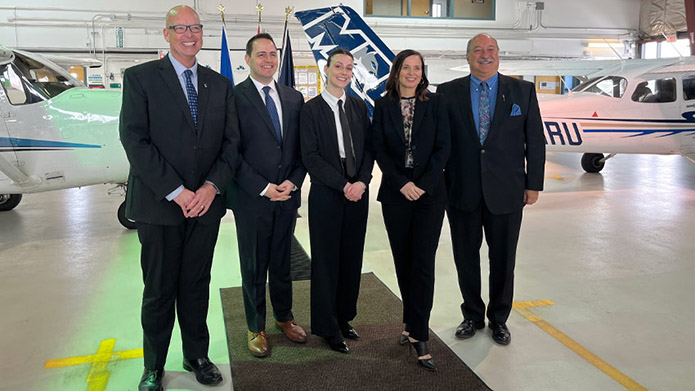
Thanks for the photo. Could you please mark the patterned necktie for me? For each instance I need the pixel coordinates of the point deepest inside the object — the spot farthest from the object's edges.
(192, 96)
(350, 168)
(273, 111)
(484, 111)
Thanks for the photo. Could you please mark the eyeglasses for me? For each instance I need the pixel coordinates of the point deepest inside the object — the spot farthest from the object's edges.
(181, 28)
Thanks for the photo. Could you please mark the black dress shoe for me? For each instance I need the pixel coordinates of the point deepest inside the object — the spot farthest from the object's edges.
(339, 346)
(500, 333)
(151, 380)
(205, 371)
(349, 332)
(422, 349)
(468, 327)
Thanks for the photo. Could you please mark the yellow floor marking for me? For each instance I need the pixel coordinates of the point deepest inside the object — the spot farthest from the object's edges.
(523, 309)
(558, 177)
(98, 375)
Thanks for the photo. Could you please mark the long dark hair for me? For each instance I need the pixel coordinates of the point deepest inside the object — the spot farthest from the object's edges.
(392, 85)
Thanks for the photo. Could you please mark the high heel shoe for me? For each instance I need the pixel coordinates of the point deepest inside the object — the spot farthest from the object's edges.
(422, 349)
(404, 339)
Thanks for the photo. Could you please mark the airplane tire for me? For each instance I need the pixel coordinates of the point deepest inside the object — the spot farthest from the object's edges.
(125, 222)
(591, 162)
(9, 201)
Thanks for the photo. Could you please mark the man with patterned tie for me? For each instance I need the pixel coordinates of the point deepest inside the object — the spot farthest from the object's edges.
(265, 193)
(179, 129)
(496, 167)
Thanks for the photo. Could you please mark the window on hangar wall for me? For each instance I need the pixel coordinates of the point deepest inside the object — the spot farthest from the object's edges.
(464, 9)
(663, 49)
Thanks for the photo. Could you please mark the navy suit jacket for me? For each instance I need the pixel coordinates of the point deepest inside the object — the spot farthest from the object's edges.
(511, 159)
(430, 141)
(263, 161)
(163, 146)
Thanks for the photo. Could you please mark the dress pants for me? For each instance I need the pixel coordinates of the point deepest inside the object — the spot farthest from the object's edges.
(176, 262)
(336, 228)
(501, 235)
(414, 229)
(264, 238)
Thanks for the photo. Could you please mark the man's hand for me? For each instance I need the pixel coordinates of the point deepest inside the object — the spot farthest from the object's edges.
(354, 191)
(412, 192)
(530, 197)
(183, 199)
(200, 203)
(278, 193)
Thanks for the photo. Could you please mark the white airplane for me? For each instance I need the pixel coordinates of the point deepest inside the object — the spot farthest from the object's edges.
(630, 106)
(55, 133)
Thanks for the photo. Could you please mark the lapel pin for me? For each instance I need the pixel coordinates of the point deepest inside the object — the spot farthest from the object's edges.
(502, 97)
(205, 85)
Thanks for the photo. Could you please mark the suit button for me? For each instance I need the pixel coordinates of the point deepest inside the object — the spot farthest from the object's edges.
(195, 147)
(278, 147)
(279, 165)
(482, 151)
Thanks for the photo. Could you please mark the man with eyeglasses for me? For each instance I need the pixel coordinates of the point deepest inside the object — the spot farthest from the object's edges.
(179, 128)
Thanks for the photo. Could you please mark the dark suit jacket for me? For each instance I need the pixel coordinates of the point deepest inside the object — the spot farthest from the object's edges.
(319, 138)
(430, 141)
(163, 147)
(511, 159)
(263, 161)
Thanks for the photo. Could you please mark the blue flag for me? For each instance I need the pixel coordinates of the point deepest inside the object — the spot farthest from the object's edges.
(287, 71)
(225, 62)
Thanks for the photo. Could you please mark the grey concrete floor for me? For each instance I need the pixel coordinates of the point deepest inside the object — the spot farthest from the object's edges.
(611, 254)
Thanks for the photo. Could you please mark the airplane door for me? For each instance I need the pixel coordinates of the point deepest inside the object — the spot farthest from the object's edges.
(8, 158)
(687, 145)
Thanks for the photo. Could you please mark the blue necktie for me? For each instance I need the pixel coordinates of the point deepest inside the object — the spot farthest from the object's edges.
(273, 111)
(192, 96)
(484, 111)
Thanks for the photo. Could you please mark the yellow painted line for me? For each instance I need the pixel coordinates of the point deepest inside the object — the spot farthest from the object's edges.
(523, 309)
(558, 177)
(98, 376)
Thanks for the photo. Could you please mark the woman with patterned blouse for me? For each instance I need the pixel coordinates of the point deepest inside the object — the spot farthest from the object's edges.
(411, 143)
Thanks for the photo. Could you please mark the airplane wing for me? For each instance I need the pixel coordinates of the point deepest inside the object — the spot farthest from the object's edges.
(340, 26)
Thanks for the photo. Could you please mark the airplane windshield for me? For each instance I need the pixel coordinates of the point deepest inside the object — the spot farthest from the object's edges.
(29, 81)
(611, 86)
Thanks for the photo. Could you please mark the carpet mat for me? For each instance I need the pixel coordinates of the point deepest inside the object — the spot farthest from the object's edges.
(376, 362)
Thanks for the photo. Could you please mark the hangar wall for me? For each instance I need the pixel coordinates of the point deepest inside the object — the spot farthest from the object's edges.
(94, 29)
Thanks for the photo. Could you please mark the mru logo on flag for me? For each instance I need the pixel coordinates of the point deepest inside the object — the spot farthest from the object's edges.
(333, 27)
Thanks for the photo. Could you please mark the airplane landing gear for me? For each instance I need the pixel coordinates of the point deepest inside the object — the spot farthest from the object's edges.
(9, 201)
(125, 222)
(594, 162)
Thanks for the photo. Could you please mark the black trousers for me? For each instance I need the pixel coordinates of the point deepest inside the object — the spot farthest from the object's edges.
(337, 228)
(414, 231)
(176, 262)
(264, 239)
(502, 236)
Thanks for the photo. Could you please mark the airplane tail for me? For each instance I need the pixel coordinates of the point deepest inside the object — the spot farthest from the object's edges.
(340, 26)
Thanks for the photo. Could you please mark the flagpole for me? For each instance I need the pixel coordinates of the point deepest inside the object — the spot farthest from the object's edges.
(288, 12)
(259, 9)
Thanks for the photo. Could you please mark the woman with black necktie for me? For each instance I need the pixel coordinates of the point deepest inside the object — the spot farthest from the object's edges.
(411, 141)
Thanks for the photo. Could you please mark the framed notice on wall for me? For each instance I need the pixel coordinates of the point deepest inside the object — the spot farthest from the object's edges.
(307, 80)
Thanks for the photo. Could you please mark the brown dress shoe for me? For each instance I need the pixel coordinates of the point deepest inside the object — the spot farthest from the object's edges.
(292, 331)
(258, 344)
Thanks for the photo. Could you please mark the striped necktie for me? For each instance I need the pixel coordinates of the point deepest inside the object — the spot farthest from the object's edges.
(192, 96)
(484, 111)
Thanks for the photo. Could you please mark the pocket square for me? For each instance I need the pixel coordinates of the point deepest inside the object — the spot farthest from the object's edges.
(516, 110)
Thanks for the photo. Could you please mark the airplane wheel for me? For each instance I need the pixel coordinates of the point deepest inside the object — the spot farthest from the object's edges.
(591, 162)
(9, 201)
(126, 222)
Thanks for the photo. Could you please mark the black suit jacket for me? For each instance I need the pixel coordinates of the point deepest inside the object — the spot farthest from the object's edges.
(430, 141)
(319, 140)
(162, 144)
(511, 159)
(262, 160)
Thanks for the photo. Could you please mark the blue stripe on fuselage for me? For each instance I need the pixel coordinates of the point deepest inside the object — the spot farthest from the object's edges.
(32, 143)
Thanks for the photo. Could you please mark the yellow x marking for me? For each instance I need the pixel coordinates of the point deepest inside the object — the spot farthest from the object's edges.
(522, 307)
(98, 375)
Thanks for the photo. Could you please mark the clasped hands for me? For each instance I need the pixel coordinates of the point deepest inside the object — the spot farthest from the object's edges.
(411, 191)
(198, 203)
(354, 191)
(281, 192)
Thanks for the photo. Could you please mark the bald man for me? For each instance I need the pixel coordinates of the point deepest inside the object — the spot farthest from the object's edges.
(179, 128)
(495, 169)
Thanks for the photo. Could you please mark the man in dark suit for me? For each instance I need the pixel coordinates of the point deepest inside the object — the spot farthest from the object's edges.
(336, 151)
(265, 192)
(496, 167)
(178, 126)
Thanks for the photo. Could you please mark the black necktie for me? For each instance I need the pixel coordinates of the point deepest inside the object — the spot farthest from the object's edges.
(273, 111)
(347, 142)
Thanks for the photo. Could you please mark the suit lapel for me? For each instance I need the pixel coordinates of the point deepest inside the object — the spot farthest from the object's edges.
(171, 79)
(285, 111)
(420, 111)
(502, 107)
(203, 96)
(329, 119)
(465, 99)
(394, 111)
(256, 100)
